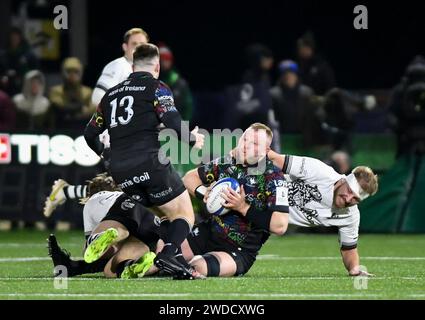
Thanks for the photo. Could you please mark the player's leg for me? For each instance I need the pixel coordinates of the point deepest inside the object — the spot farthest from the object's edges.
(61, 258)
(105, 235)
(215, 264)
(180, 213)
(133, 260)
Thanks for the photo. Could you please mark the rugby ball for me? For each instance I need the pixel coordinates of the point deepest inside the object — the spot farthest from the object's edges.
(215, 201)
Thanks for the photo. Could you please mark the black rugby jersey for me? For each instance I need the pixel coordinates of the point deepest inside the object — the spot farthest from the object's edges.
(131, 112)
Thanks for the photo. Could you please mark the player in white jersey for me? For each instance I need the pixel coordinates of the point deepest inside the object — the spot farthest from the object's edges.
(119, 69)
(131, 231)
(319, 196)
(113, 73)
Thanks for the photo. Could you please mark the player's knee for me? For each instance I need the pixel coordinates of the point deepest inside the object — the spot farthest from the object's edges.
(208, 263)
(200, 265)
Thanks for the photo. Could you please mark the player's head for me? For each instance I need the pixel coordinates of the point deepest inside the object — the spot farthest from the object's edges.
(102, 182)
(254, 144)
(132, 38)
(354, 188)
(146, 58)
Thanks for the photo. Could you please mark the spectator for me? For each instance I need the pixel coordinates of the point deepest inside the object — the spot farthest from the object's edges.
(72, 100)
(291, 99)
(177, 84)
(15, 62)
(259, 59)
(31, 105)
(407, 109)
(315, 72)
(254, 101)
(7, 113)
(340, 161)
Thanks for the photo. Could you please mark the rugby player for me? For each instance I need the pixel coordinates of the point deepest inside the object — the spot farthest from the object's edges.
(132, 112)
(130, 253)
(319, 196)
(227, 245)
(113, 73)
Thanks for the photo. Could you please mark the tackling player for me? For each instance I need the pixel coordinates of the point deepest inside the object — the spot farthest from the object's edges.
(120, 235)
(319, 196)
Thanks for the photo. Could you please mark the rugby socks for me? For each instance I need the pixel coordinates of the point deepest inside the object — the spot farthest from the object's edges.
(78, 267)
(177, 232)
(121, 266)
(75, 191)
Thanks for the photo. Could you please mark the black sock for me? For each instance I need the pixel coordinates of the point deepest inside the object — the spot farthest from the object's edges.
(177, 232)
(78, 267)
(120, 267)
(163, 229)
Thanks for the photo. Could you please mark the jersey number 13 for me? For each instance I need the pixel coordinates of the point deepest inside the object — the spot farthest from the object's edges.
(126, 102)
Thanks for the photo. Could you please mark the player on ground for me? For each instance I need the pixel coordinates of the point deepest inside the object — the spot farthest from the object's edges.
(113, 73)
(130, 253)
(132, 111)
(227, 245)
(319, 196)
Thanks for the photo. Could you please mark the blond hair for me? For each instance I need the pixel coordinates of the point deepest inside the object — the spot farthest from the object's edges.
(367, 179)
(261, 126)
(133, 31)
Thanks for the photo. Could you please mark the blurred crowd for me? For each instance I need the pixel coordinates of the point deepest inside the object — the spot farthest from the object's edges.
(294, 96)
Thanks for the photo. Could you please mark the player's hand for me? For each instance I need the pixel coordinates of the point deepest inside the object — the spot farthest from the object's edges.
(235, 201)
(207, 193)
(359, 273)
(199, 143)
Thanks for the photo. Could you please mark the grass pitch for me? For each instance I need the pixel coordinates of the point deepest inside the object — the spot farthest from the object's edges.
(291, 267)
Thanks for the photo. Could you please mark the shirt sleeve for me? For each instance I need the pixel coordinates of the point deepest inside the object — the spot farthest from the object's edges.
(305, 168)
(277, 199)
(209, 173)
(93, 129)
(167, 113)
(348, 235)
(110, 77)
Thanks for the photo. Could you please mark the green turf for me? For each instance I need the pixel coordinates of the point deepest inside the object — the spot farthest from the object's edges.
(292, 267)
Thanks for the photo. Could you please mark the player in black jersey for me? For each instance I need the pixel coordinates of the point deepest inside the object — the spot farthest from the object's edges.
(132, 112)
(227, 245)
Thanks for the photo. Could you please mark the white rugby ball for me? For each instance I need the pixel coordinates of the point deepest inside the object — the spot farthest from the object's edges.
(215, 201)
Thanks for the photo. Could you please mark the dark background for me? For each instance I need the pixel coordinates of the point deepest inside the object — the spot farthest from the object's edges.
(208, 37)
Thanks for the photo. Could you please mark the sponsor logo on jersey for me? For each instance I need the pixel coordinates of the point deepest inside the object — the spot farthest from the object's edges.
(162, 193)
(127, 204)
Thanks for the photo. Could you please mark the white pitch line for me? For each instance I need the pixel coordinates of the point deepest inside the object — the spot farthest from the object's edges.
(214, 294)
(343, 278)
(261, 257)
(275, 257)
(30, 245)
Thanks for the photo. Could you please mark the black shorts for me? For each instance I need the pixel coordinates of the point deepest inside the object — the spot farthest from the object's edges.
(139, 221)
(151, 183)
(203, 240)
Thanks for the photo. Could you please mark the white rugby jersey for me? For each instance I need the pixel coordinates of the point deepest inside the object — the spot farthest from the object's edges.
(113, 73)
(310, 194)
(97, 207)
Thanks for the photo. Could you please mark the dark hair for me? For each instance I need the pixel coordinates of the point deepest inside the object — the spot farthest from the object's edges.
(145, 51)
(130, 32)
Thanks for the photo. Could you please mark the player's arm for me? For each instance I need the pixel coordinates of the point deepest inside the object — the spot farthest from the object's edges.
(171, 118)
(109, 78)
(93, 129)
(303, 168)
(197, 180)
(348, 237)
(274, 220)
